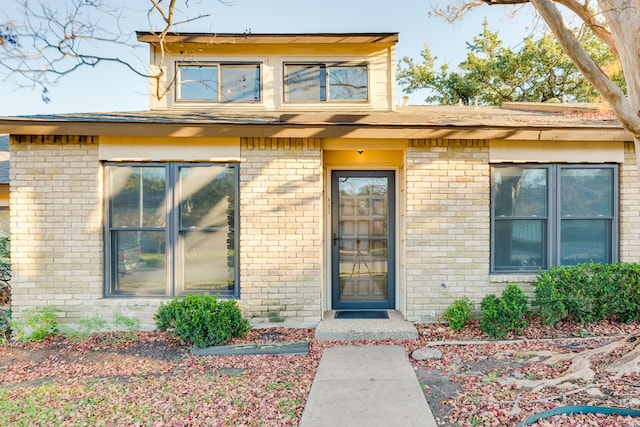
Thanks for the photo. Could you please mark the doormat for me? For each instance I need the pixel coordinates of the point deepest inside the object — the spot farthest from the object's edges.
(361, 314)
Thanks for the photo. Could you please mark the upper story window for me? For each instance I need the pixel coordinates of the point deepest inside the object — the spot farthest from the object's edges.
(326, 82)
(553, 214)
(218, 82)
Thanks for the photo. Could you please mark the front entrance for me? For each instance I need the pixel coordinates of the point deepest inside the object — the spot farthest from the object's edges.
(363, 239)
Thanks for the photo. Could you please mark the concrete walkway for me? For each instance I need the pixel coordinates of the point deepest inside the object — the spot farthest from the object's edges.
(366, 386)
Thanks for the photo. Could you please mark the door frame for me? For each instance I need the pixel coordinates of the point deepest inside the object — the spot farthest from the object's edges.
(393, 258)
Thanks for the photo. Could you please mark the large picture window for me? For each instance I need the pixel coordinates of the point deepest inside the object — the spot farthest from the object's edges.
(171, 229)
(218, 82)
(324, 82)
(546, 215)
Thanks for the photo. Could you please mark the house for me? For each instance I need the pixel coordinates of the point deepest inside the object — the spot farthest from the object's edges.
(277, 169)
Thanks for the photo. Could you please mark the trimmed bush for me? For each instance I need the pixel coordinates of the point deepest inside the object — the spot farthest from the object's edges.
(589, 292)
(492, 311)
(458, 314)
(202, 320)
(503, 315)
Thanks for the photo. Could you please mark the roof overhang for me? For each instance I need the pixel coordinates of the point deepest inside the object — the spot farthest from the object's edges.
(249, 38)
(284, 130)
(425, 122)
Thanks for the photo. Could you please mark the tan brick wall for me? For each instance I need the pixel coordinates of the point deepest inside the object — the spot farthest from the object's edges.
(447, 224)
(57, 249)
(629, 207)
(280, 230)
(56, 242)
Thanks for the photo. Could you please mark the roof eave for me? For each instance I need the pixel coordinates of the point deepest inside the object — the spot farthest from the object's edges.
(269, 38)
(312, 130)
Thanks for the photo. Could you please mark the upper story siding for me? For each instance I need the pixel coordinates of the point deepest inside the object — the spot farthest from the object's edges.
(272, 52)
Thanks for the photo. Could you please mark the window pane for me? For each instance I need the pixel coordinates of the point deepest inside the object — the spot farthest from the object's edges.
(586, 192)
(207, 197)
(240, 83)
(198, 82)
(348, 82)
(585, 241)
(305, 83)
(520, 192)
(209, 261)
(139, 262)
(137, 196)
(520, 244)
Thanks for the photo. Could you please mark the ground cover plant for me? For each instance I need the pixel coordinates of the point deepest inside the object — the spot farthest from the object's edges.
(151, 378)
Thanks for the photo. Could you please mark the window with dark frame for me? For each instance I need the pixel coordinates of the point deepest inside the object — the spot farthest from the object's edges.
(171, 229)
(544, 215)
(325, 82)
(218, 82)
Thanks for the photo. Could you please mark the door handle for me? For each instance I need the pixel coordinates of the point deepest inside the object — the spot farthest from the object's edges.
(335, 239)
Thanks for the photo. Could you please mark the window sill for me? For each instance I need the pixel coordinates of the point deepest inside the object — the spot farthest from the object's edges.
(526, 277)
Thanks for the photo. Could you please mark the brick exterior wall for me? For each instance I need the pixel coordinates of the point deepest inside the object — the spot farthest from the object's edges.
(629, 207)
(57, 247)
(280, 230)
(56, 241)
(447, 224)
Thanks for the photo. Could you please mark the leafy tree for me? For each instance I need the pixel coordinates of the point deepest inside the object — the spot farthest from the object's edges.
(446, 87)
(493, 74)
(614, 22)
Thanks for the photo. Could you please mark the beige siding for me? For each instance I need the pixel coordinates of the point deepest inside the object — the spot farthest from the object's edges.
(447, 224)
(280, 230)
(380, 58)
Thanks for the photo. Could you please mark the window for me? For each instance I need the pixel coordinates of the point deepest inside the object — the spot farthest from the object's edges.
(171, 229)
(545, 215)
(321, 82)
(219, 82)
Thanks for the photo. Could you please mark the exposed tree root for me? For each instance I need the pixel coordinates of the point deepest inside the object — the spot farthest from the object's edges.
(581, 369)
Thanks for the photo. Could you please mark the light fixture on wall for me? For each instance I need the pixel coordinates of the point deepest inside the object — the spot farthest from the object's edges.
(360, 151)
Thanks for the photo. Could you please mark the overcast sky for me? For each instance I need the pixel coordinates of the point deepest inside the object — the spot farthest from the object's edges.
(114, 88)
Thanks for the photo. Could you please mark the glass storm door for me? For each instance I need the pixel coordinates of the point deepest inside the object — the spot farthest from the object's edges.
(363, 241)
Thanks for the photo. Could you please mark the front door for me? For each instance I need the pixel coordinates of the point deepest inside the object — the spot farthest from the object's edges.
(363, 239)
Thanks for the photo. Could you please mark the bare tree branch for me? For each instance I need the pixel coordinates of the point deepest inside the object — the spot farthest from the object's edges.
(51, 40)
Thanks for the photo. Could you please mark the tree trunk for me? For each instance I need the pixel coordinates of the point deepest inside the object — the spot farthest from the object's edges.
(623, 17)
(623, 13)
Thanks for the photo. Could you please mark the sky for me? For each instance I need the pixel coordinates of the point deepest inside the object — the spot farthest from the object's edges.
(109, 87)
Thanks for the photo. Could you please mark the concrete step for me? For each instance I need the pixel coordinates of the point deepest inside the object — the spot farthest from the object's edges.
(395, 328)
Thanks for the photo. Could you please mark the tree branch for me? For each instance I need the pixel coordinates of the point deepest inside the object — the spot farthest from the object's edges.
(591, 71)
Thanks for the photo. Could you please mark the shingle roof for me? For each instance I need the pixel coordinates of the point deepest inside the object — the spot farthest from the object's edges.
(406, 122)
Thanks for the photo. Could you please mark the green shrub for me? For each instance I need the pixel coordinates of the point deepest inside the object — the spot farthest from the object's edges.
(38, 324)
(5, 326)
(589, 292)
(506, 314)
(459, 313)
(202, 319)
(86, 326)
(492, 310)
(5, 271)
(516, 309)
(120, 321)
